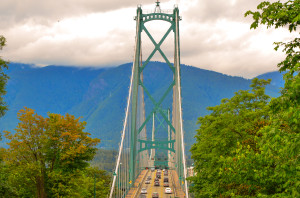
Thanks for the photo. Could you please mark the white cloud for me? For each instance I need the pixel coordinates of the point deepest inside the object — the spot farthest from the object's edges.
(214, 34)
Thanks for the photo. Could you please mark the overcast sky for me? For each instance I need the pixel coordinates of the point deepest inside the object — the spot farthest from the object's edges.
(214, 34)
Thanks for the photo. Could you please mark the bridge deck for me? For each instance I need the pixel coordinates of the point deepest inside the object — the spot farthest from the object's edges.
(177, 187)
(177, 191)
(133, 190)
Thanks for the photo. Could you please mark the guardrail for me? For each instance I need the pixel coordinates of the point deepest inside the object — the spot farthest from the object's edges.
(173, 184)
(140, 185)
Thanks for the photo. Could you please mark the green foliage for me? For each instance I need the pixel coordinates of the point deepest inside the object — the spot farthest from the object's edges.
(3, 78)
(47, 154)
(277, 14)
(266, 163)
(280, 141)
(81, 183)
(234, 120)
(6, 190)
(281, 15)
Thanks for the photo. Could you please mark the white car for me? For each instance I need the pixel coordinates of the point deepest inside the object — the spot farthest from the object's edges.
(144, 191)
(168, 191)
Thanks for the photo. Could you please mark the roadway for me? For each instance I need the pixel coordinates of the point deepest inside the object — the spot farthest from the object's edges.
(160, 189)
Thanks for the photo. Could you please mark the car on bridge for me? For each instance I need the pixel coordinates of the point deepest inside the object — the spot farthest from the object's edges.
(168, 191)
(147, 182)
(156, 183)
(166, 184)
(144, 191)
(155, 195)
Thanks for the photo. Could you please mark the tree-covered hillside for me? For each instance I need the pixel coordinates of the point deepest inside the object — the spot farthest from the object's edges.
(99, 95)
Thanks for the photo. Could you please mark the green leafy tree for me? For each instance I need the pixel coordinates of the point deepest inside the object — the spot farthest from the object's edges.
(5, 190)
(80, 183)
(272, 169)
(267, 163)
(91, 181)
(277, 15)
(234, 120)
(3, 78)
(46, 152)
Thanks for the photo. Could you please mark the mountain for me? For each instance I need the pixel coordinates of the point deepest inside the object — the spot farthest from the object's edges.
(99, 95)
(53, 89)
(277, 78)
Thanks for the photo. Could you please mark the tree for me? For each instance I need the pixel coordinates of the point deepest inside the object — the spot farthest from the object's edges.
(268, 165)
(80, 183)
(6, 190)
(3, 78)
(91, 180)
(281, 15)
(43, 148)
(273, 167)
(234, 120)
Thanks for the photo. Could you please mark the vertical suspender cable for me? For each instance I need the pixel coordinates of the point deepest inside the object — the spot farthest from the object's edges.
(125, 123)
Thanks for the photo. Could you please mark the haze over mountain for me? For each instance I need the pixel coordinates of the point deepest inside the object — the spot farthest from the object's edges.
(99, 95)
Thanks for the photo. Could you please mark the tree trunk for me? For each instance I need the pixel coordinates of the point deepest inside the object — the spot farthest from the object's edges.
(40, 185)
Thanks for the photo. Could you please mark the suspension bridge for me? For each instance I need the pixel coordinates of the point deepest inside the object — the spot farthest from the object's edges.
(152, 138)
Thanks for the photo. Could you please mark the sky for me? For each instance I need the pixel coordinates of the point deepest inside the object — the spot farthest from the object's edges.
(214, 34)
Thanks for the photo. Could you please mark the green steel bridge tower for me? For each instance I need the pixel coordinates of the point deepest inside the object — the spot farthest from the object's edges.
(136, 151)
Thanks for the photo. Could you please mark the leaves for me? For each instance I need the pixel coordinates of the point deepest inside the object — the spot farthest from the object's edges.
(3, 78)
(234, 122)
(277, 14)
(46, 149)
(263, 161)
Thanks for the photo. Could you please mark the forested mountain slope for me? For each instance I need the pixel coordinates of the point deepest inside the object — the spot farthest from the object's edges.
(99, 95)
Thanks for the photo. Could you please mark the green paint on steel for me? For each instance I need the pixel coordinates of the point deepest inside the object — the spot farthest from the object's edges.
(136, 65)
(157, 48)
(148, 144)
(158, 16)
(169, 145)
(157, 108)
(161, 123)
(163, 163)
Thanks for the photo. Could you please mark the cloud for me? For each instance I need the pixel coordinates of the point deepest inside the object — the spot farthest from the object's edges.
(214, 34)
(213, 10)
(46, 11)
(89, 41)
(231, 48)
